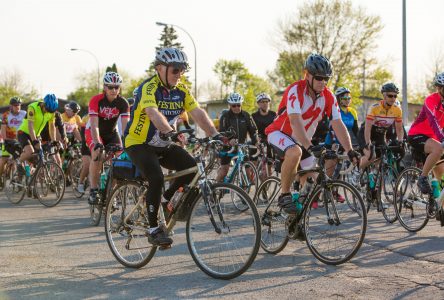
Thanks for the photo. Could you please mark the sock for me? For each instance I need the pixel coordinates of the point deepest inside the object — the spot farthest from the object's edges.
(151, 230)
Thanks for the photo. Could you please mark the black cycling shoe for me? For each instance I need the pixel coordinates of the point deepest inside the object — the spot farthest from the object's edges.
(424, 185)
(286, 203)
(159, 238)
(93, 199)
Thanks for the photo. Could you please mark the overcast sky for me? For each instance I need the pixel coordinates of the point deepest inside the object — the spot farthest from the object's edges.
(37, 35)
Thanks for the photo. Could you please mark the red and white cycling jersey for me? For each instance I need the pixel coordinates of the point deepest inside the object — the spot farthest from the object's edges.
(296, 100)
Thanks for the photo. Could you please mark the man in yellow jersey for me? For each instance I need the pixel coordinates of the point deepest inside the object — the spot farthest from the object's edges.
(72, 121)
(39, 113)
(158, 105)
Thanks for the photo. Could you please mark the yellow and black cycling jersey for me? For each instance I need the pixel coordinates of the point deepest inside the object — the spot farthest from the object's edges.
(383, 118)
(170, 103)
(71, 123)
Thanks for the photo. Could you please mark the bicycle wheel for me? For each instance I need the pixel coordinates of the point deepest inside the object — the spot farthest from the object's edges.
(95, 212)
(127, 240)
(274, 235)
(387, 193)
(15, 185)
(247, 179)
(410, 204)
(335, 232)
(223, 240)
(74, 169)
(49, 184)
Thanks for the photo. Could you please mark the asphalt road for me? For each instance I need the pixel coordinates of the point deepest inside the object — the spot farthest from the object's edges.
(53, 253)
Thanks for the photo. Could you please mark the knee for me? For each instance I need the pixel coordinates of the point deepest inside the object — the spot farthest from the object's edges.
(293, 154)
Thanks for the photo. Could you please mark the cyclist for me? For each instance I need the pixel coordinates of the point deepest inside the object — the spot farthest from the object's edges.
(59, 135)
(72, 121)
(161, 100)
(10, 122)
(380, 117)
(38, 115)
(86, 156)
(303, 104)
(426, 133)
(104, 110)
(262, 118)
(242, 123)
(349, 117)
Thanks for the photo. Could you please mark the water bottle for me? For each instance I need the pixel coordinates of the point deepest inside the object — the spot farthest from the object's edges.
(173, 202)
(64, 165)
(435, 188)
(102, 181)
(27, 169)
(371, 180)
(295, 198)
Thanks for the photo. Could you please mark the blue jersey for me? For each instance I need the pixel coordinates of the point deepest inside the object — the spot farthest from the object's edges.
(349, 117)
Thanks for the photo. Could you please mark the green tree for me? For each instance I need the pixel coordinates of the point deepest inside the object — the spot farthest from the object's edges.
(335, 29)
(12, 84)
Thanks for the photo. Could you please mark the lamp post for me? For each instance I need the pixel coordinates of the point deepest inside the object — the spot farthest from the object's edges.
(195, 53)
(98, 65)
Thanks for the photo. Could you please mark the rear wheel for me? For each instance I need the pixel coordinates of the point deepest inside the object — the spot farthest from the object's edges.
(387, 194)
(15, 184)
(74, 170)
(126, 225)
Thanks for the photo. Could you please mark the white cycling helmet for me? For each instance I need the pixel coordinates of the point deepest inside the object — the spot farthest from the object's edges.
(263, 96)
(439, 79)
(112, 78)
(341, 91)
(235, 98)
(172, 56)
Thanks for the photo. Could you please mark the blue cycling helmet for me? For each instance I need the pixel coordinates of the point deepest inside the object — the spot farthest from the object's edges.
(51, 103)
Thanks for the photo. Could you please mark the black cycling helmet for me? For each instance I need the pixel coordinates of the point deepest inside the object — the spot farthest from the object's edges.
(389, 87)
(318, 65)
(15, 100)
(72, 105)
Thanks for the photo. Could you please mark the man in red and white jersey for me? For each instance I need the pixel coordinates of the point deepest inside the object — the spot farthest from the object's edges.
(303, 105)
(104, 111)
(426, 134)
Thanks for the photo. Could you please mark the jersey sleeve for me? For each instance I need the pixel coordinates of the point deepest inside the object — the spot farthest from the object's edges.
(78, 121)
(371, 113)
(93, 107)
(293, 103)
(398, 117)
(31, 113)
(354, 113)
(148, 97)
(189, 102)
(124, 109)
(4, 119)
(335, 112)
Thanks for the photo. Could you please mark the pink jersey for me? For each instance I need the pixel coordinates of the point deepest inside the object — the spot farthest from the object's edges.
(296, 100)
(430, 121)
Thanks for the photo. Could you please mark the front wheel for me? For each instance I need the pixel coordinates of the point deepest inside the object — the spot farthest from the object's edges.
(335, 232)
(223, 240)
(49, 184)
(410, 204)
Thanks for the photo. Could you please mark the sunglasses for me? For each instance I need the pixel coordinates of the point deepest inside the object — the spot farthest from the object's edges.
(392, 96)
(176, 71)
(235, 105)
(322, 78)
(345, 98)
(264, 101)
(113, 87)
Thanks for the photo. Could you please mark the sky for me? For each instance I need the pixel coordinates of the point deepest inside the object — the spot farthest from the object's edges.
(37, 36)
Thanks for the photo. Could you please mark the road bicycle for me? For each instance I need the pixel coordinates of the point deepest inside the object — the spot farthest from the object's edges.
(334, 231)
(46, 182)
(222, 240)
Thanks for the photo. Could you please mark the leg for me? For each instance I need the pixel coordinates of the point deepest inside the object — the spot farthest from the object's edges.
(434, 150)
(223, 169)
(86, 160)
(289, 167)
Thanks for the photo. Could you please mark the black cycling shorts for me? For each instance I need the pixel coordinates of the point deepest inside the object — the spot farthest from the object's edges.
(24, 139)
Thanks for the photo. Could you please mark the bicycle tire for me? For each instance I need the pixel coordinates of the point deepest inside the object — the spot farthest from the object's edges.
(388, 186)
(15, 186)
(49, 177)
(316, 224)
(408, 200)
(274, 231)
(242, 178)
(119, 236)
(74, 169)
(203, 238)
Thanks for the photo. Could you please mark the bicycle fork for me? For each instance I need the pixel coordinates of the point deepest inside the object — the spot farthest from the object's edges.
(210, 200)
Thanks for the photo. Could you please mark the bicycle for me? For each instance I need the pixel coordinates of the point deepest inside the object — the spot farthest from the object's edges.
(414, 209)
(222, 240)
(333, 233)
(46, 182)
(244, 173)
(105, 184)
(265, 165)
(378, 182)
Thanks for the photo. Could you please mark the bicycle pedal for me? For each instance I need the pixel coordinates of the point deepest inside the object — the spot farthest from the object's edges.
(164, 247)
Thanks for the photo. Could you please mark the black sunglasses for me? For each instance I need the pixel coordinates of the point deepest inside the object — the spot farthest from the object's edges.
(322, 78)
(235, 105)
(392, 96)
(177, 71)
(113, 87)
